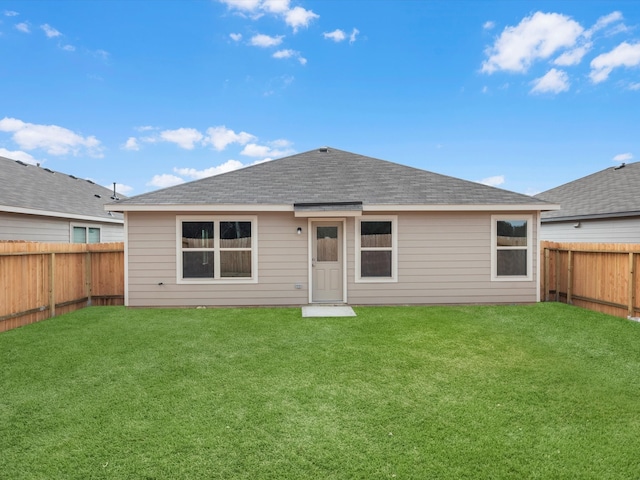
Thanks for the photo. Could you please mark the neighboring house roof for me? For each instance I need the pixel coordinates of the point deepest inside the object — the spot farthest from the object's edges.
(325, 177)
(612, 192)
(34, 190)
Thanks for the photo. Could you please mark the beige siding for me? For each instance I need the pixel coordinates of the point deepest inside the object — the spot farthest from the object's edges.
(609, 230)
(36, 228)
(282, 263)
(443, 258)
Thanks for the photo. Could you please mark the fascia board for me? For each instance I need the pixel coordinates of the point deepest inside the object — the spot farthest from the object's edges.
(47, 213)
(290, 208)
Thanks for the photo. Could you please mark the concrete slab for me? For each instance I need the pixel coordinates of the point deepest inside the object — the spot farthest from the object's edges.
(327, 311)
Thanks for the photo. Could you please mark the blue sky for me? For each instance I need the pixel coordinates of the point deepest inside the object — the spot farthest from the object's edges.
(523, 95)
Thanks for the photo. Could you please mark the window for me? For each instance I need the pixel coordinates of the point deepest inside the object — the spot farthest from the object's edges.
(216, 249)
(511, 247)
(376, 254)
(85, 234)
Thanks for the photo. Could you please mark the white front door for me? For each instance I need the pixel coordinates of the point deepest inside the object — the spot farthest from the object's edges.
(326, 262)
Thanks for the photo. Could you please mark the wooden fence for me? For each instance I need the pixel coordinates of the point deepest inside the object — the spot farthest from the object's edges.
(42, 280)
(597, 276)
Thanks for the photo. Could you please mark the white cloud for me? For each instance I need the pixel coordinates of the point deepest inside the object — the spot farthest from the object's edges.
(536, 37)
(145, 128)
(68, 48)
(246, 5)
(337, 35)
(102, 54)
(275, 6)
(281, 143)
(10, 13)
(279, 148)
(183, 137)
(236, 37)
(489, 25)
(23, 27)
(623, 157)
(264, 41)
(624, 55)
(604, 21)
(290, 54)
(299, 17)
(554, 81)
(53, 139)
(634, 86)
(284, 54)
(165, 180)
(220, 137)
(49, 31)
(493, 181)
(254, 150)
(574, 56)
(131, 144)
(227, 166)
(354, 33)
(18, 155)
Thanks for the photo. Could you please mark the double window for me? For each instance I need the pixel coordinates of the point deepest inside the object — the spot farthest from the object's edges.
(221, 249)
(511, 253)
(376, 249)
(85, 234)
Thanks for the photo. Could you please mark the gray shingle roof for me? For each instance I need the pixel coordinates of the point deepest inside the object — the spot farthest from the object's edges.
(36, 188)
(331, 176)
(611, 192)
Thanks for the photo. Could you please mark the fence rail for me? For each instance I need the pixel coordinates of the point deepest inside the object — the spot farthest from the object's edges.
(42, 280)
(598, 276)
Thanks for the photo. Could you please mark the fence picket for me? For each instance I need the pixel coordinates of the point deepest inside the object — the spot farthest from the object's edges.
(600, 277)
(41, 280)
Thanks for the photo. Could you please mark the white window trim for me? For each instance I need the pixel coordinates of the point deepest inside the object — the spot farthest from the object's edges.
(394, 248)
(216, 248)
(86, 226)
(494, 249)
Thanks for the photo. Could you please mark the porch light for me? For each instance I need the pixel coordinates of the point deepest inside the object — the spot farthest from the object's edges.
(299, 231)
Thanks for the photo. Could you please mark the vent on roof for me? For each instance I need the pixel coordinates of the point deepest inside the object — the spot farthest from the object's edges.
(75, 178)
(48, 170)
(97, 196)
(21, 163)
(115, 194)
(619, 166)
(90, 182)
(323, 149)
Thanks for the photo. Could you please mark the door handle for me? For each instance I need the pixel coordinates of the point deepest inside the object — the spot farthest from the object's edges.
(313, 262)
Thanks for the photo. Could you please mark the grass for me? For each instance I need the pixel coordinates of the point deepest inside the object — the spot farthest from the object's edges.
(541, 391)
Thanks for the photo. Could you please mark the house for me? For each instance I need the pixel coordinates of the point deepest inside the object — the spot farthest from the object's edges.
(329, 226)
(39, 204)
(603, 207)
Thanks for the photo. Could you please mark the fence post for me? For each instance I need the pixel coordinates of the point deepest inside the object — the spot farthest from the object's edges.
(557, 257)
(52, 285)
(87, 276)
(632, 284)
(546, 274)
(569, 276)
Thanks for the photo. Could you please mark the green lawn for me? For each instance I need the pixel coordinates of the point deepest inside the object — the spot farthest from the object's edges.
(543, 391)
